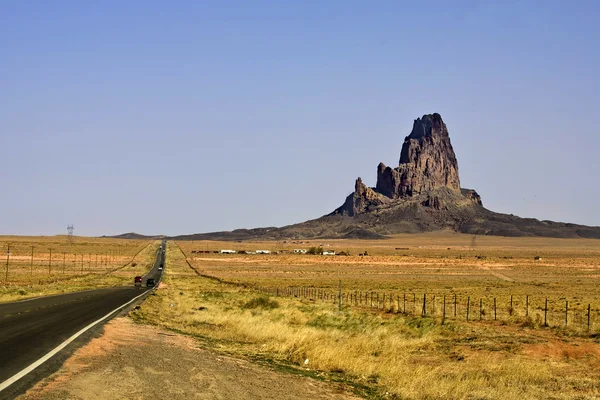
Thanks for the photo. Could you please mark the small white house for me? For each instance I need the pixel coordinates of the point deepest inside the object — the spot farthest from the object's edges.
(227, 251)
(263, 252)
(329, 252)
(300, 251)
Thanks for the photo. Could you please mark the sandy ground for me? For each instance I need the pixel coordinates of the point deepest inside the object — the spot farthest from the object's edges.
(132, 361)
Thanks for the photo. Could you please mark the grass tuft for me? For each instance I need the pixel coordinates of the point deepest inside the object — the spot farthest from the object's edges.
(261, 302)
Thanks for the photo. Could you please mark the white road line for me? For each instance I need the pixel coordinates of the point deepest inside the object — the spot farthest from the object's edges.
(64, 344)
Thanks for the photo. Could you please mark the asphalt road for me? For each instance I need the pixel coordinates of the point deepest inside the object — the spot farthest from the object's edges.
(29, 329)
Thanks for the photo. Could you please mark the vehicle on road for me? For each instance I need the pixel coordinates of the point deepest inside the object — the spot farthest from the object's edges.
(160, 268)
(150, 282)
(138, 281)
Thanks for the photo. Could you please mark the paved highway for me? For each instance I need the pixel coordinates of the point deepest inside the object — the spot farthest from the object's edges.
(30, 329)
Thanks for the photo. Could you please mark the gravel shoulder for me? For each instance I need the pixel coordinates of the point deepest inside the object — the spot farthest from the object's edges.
(132, 361)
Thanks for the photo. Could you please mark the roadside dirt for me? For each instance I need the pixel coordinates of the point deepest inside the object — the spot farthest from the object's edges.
(132, 361)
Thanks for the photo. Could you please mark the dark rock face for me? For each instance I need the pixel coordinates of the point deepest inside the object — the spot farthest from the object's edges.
(472, 195)
(427, 161)
(361, 200)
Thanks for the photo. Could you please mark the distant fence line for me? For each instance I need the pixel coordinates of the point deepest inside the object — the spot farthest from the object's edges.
(528, 310)
(62, 263)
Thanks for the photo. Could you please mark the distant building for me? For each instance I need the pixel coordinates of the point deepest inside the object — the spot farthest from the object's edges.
(263, 252)
(300, 251)
(227, 252)
(329, 252)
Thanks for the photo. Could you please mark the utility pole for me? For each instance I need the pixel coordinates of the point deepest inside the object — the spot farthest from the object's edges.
(31, 264)
(7, 258)
(70, 230)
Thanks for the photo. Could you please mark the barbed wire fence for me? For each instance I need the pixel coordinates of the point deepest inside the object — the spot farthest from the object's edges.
(529, 311)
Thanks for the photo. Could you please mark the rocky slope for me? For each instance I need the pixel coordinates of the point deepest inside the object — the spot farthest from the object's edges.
(421, 194)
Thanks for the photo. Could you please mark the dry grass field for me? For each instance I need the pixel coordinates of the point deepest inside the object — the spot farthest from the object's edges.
(47, 265)
(475, 270)
(382, 354)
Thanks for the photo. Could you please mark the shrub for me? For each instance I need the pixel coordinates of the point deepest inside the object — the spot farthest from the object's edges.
(315, 250)
(261, 302)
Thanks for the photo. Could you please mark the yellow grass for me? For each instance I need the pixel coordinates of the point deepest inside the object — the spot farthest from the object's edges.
(59, 265)
(403, 356)
(438, 264)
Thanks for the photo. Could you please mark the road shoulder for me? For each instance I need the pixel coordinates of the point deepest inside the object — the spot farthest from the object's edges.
(140, 361)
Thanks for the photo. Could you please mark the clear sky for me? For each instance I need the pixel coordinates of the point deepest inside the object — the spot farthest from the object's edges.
(194, 116)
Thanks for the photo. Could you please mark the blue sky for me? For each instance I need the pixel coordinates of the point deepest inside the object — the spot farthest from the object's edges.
(197, 116)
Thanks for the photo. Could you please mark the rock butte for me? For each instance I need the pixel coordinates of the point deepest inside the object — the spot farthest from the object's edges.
(427, 163)
(421, 194)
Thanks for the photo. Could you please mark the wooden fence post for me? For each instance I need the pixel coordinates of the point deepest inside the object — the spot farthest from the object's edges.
(444, 312)
(526, 306)
(589, 309)
(495, 315)
(404, 308)
(468, 306)
(546, 312)
(480, 308)
(454, 305)
(340, 297)
(566, 312)
(424, 311)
